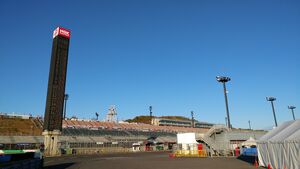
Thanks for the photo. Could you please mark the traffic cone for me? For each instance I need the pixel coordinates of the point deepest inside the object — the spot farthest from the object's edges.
(269, 166)
(172, 155)
(284, 167)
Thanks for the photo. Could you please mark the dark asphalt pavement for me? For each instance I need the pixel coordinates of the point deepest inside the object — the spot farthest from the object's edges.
(145, 160)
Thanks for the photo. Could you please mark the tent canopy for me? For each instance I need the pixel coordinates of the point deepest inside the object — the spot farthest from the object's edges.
(280, 146)
(288, 131)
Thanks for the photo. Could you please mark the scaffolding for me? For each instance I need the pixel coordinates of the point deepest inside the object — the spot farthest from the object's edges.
(112, 114)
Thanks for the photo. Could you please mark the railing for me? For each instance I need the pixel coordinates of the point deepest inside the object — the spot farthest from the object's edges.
(220, 148)
(214, 128)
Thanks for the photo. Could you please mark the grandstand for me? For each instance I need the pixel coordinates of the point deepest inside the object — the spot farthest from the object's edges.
(82, 135)
(94, 125)
(19, 132)
(158, 121)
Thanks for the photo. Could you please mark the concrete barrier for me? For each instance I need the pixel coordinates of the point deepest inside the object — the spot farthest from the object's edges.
(100, 150)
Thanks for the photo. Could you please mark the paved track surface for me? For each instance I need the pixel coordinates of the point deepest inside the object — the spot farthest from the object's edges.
(146, 160)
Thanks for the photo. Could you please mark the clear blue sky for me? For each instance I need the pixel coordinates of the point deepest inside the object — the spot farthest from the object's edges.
(164, 53)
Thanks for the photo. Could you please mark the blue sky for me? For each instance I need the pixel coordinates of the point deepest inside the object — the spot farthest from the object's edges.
(164, 53)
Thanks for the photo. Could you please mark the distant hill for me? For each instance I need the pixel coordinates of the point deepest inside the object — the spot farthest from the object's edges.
(147, 119)
(175, 117)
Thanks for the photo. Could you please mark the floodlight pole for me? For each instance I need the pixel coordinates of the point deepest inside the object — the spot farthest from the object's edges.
(223, 80)
(293, 114)
(272, 99)
(249, 124)
(193, 119)
(226, 102)
(292, 108)
(274, 113)
(65, 108)
(150, 110)
(97, 116)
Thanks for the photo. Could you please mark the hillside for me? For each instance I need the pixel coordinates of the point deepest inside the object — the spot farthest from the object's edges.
(16, 126)
(147, 119)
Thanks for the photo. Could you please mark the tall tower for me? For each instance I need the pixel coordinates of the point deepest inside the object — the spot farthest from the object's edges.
(56, 90)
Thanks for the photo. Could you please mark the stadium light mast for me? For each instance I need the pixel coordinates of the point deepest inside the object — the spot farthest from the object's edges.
(223, 80)
(150, 111)
(66, 97)
(272, 99)
(193, 119)
(292, 108)
(249, 124)
(97, 115)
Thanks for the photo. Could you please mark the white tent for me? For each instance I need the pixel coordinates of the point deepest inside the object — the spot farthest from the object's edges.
(281, 146)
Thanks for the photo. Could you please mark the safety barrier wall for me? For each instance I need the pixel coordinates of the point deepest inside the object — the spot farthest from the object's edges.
(107, 150)
(100, 150)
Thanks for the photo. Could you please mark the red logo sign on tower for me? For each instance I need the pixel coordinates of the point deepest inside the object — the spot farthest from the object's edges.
(61, 32)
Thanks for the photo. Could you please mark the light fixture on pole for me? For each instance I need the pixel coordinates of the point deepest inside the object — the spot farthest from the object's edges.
(292, 108)
(66, 97)
(272, 99)
(223, 80)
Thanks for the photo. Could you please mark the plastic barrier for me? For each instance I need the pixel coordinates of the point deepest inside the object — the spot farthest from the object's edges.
(190, 153)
